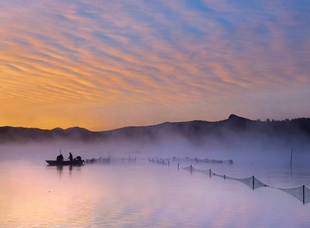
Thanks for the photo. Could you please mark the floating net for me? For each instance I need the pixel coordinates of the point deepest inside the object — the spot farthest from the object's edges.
(301, 193)
(306, 195)
(252, 182)
(296, 192)
(204, 171)
(196, 160)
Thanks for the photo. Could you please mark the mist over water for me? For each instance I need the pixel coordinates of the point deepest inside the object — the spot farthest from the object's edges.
(165, 148)
(241, 149)
(138, 193)
(247, 149)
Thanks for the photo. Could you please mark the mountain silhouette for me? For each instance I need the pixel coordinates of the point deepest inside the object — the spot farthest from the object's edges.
(235, 127)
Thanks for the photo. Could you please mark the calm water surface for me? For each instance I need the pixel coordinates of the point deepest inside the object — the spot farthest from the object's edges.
(141, 194)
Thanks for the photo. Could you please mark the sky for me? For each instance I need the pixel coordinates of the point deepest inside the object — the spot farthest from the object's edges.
(108, 64)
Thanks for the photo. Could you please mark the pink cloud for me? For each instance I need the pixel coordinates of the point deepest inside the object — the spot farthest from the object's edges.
(131, 56)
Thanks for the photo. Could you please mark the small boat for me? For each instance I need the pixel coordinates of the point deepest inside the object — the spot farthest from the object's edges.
(61, 163)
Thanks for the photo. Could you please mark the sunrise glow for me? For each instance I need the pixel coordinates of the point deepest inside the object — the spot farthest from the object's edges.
(103, 65)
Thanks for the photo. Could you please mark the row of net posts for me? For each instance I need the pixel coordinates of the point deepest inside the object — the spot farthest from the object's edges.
(301, 193)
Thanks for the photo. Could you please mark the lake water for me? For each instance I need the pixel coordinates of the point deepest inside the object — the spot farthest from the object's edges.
(143, 194)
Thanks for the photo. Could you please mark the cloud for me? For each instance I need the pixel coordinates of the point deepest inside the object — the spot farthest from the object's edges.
(123, 58)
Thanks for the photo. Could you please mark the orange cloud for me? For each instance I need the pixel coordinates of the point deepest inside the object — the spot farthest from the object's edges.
(92, 64)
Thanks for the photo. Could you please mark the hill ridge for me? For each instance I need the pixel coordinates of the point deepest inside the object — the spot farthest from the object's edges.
(234, 126)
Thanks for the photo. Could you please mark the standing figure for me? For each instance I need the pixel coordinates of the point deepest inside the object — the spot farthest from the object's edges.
(70, 157)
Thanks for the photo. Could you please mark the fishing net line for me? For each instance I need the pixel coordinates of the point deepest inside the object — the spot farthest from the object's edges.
(306, 195)
(204, 171)
(295, 192)
(197, 160)
(189, 168)
(301, 193)
(252, 182)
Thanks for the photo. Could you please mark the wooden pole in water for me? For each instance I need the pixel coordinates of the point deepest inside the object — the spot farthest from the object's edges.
(303, 194)
(253, 182)
(291, 158)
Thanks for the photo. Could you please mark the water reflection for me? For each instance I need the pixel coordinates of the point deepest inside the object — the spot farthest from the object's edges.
(68, 168)
(34, 196)
(136, 195)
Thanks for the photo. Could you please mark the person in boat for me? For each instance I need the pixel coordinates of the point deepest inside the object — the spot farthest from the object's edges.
(79, 159)
(70, 157)
(60, 158)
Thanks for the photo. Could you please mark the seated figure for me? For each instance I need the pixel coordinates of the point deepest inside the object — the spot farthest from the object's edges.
(60, 158)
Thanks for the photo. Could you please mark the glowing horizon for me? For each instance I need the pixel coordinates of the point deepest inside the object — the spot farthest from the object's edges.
(126, 63)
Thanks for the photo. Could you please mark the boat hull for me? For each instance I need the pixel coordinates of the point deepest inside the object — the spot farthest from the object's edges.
(62, 163)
